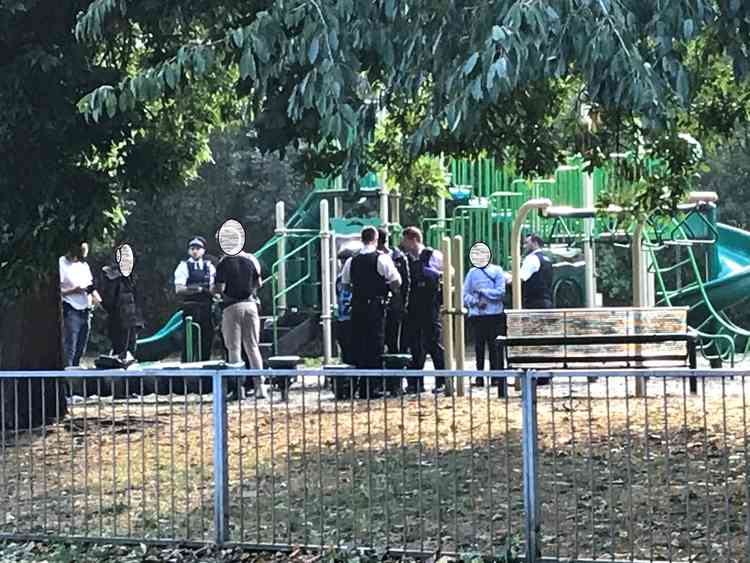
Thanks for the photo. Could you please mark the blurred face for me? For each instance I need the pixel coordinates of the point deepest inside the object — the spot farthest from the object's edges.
(410, 245)
(196, 252)
(529, 246)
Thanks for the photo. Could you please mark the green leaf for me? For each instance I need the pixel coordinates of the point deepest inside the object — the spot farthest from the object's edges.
(476, 89)
(348, 114)
(126, 101)
(687, 28)
(470, 63)
(110, 102)
(333, 40)
(171, 76)
(497, 33)
(247, 65)
(683, 85)
(390, 9)
(238, 36)
(314, 49)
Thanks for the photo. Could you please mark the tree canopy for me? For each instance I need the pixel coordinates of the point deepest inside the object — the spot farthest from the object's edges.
(318, 71)
(63, 180)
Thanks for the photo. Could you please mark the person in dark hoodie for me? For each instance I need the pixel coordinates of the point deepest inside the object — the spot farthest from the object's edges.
(124, 319)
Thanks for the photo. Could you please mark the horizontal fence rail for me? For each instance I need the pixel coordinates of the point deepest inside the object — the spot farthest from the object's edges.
(568, 468)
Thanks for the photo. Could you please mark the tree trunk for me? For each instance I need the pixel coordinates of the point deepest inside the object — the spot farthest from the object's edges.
(31, 339)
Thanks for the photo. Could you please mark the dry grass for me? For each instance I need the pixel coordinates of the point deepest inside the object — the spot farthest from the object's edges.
(646, 476)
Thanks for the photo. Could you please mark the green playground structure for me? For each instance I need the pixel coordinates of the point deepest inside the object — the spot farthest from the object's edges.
(687, 260)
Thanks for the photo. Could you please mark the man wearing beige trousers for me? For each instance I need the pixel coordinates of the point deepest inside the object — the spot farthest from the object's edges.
(238, 280)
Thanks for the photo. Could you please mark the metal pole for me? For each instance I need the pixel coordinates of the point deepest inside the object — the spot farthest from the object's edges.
(639, 290)
(530, 457)
(221, 460)
(441, 214)
(188, 328)
(383, 206)
(639, 298)
(281, 252)
(459, 319)
(338, 207)
(445, 247)
(588, 245)
(332, 284)
(325, 304)
(515, 245)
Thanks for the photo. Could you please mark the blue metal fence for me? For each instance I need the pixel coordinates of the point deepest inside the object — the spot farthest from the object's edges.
(574, 470)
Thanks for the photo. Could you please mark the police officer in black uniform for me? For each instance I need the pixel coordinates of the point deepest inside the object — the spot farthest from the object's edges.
(536, 280)
(398, 303)
(424, 324)
(370, 275)
(536, 275)
(193, 281)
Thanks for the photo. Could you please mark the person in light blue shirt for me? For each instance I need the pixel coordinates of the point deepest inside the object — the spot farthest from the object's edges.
(484, 290)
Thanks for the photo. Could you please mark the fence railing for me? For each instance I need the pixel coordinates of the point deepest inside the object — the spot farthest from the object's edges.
(569, 469)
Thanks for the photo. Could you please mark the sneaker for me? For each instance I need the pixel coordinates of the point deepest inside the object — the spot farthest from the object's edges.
(479, 382)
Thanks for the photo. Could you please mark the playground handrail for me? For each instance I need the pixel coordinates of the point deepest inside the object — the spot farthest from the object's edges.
(302, 279)
(714, 315)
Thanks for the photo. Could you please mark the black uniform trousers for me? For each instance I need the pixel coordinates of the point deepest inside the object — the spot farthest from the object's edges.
(368, 341)
(486, 330)
(202, 315)
(425, 335)
(395, 343)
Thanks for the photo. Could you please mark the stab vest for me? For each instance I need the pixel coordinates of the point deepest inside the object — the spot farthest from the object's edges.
(537, 290)
(366, 281)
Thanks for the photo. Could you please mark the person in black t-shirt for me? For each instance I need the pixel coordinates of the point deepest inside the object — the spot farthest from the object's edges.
(238, 280)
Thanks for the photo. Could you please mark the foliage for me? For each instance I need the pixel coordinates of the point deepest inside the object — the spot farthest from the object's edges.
(614, 281)
(238, 182)
(327, 67)
(62, 179)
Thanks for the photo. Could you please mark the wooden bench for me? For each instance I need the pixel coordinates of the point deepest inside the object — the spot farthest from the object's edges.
(634, 338)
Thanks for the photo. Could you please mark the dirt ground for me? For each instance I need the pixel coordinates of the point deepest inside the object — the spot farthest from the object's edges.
(659, 477)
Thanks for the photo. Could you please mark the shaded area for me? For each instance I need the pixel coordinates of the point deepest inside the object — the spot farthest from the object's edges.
(652, 477)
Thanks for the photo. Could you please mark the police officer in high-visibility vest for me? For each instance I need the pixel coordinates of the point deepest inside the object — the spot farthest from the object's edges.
(193, 281)
(424, 325)
(536, 275)
(370, 275)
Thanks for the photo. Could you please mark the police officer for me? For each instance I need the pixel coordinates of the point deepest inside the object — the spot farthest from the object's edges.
(395, 339)
(423, 321)
(536, 275)
(193, 281)
(370, 275)
(536, 280)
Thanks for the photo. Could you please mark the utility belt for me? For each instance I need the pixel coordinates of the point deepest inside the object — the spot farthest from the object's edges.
(383, 301)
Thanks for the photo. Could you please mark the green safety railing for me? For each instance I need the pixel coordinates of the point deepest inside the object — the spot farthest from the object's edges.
(717, 331)
(306, 254)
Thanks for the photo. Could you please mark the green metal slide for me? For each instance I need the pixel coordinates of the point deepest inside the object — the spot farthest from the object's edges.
(719, 278)
(166, 341)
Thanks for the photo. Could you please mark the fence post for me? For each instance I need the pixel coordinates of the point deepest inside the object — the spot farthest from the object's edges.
(530, 458)
(221, 465)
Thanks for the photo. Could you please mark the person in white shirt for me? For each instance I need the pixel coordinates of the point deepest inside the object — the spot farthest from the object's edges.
(78, 296)
(370, 275)
(193, 282)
